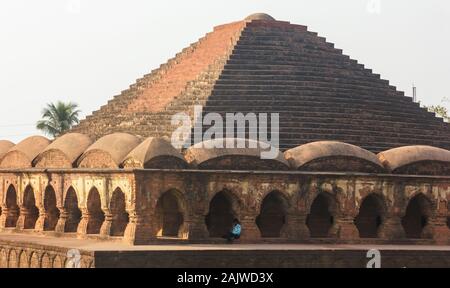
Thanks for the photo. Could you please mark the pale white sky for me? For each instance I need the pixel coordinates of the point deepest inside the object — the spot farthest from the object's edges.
(87, 51)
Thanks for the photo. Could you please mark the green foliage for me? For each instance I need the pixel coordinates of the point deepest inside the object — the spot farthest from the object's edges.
(440, 111)
(58, 118)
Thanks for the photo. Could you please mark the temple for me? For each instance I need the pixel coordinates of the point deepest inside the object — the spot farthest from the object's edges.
(357, 161)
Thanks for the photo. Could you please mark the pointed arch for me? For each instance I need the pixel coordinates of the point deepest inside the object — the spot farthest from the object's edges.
(272, 215)
(119, 213)
(12, 207)
(52, 212)
(170, 214)
(72, 210)
(417, 216)
(222, 210)
(30, 211)
(96, 214)
(372, 213)
(322, 216)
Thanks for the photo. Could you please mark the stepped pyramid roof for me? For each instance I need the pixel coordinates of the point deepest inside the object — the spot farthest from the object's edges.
(263, 65)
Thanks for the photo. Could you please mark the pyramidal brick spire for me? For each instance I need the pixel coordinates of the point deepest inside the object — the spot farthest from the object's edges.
(262, 65)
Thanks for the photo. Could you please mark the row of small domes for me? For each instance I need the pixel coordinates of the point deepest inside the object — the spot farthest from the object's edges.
(128, 151)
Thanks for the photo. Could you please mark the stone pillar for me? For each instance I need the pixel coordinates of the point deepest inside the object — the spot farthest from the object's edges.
(392, 228)
(82, 227)
(105, 230)
(4, 217)
(295, 227)
(40, 222)
(23, 216)
(345, 227)
(250, 230)
(61, 225)
(196, 228)
(139, 229)
(437, 230)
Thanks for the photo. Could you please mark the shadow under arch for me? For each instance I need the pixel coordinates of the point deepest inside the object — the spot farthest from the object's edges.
(96, 214)
(29, 211)
(417, 215)
(322, 215)
(170, 214)
(12, 209)
(223, 208)
(371, 216)
(272, 216)
(73, 211)
(51, 210)
(119, 213)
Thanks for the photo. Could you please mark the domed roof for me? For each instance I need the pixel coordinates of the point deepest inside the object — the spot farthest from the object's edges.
(109, 151)
(22, 154)
(64, 151)
(334, 156)
(397, 158)
(210, 155)
(259, 16)
(5, 145)
(155, 153)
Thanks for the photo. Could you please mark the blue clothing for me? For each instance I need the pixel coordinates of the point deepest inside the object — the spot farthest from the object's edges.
(236, 230)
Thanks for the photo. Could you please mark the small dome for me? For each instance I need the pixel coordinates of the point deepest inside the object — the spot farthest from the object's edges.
(260, 16)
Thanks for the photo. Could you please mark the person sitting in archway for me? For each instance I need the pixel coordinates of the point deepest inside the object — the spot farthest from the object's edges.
(235, 232)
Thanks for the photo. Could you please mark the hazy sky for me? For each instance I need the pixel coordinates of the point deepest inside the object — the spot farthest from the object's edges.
(87, 51)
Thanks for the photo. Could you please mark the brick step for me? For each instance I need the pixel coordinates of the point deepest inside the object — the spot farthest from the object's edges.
(244, 81)
(380, 147)
(305, 96)
(299, 89)
(337, 61)
(307, 70)
(289, 43)
(376, 115)
(316, 104)
(288, 125)
(284, 133)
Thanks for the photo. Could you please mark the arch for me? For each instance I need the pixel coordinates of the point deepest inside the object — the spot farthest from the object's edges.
(108, 151)
(96, 214)
(321, 216)
(272, 215)
(23, 260)
(205, 155)
(22, 154)
(72, 210)
(52, 212)
(12, 259)
(12, 207)
(372, 213)
(63, 152)
(3, 258)
(333, 156)
(170, 214)
(34, 260)
(30, 211)
(222, 211)
(46, 261)
(417, 160)
(58, 262)
(119, 214)
(155, 153)
(417, 215)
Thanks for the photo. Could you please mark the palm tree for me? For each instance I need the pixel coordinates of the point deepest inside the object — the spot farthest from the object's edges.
(58, 118)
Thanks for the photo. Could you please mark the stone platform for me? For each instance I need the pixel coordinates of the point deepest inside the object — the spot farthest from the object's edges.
(23, 251)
